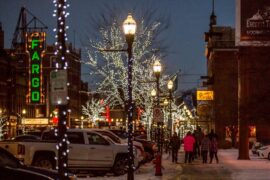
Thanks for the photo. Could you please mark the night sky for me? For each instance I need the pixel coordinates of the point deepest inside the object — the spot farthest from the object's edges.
(189, 19)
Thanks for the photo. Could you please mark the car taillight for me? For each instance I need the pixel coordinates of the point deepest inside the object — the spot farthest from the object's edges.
(21, 149)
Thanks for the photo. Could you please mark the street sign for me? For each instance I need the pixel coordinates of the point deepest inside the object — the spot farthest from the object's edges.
(158, 115)
(59, 91)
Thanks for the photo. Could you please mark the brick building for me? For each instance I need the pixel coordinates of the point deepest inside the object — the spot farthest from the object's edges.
(239, 77)
(14, 66)
(222, 69)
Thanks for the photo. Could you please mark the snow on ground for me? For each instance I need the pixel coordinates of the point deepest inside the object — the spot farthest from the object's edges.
(256, 168)
(147, 171)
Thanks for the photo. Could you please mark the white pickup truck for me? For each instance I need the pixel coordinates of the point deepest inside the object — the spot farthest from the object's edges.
(88, 151)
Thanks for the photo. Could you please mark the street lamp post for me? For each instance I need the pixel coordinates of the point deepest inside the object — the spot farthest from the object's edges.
(82, 118)
(153, 135)
(129, 27)
(170, 86)
(157, 70)
(23, 116)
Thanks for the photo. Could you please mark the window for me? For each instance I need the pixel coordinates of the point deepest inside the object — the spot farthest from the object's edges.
(96, 139)
(114, 138)
(75, 137)
(49, 136)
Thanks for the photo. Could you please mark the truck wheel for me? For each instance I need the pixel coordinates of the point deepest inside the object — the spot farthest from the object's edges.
(44, 162)
(120, 166)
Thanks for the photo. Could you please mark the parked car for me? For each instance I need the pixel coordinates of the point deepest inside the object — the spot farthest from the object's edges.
(120, 133)
(25, 137)
(12, 169)
(139, 155)
(258, 145)
(255, 147)
(88, 151)
(141, 134)
(150, 148)
(264, 152)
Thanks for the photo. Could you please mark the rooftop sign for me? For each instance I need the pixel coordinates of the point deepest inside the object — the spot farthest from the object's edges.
(253, 23)
(35, 48)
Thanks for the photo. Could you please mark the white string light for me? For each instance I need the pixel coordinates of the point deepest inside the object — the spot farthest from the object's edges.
(59, 47)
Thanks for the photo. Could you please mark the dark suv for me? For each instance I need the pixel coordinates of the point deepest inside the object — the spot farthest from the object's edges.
(13, 169)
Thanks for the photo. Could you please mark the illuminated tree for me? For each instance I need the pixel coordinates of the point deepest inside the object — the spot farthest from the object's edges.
(93, 109)
(3, 120)
(110, 68)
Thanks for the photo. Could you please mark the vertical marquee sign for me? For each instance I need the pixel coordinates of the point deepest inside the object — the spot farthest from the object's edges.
(35, 48)
(253, 23)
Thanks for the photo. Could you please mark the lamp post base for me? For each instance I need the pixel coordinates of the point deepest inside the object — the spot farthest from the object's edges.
(158, 165)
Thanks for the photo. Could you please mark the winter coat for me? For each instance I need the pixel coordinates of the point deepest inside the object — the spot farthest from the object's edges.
(213, 145)
(189, 141)
(175, 142)
(205, 143)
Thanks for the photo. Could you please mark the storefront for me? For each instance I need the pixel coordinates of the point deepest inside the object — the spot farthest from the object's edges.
(34, 126)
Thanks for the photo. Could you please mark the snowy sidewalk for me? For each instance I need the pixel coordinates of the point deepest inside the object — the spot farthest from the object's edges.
(147, 171)
(254, 169)
(228, 168)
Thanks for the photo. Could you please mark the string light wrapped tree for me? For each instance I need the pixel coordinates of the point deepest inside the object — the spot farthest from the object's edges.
(110, 69)
(61, 66)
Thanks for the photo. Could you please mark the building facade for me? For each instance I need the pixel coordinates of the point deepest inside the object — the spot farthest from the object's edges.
(222, 72)
(14, 82)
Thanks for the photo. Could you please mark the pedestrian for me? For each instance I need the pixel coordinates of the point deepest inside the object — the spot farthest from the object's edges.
(205, 145)
(213, 148)
(199, 135)
(212, 134)
(175, 145)
(194, 153)
(188, 146)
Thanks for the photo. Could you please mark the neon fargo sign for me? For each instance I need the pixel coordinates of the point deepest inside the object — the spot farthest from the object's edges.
(35, 48)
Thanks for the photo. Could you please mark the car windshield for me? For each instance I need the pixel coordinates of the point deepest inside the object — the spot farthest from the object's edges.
(113, 137)
(120, 133)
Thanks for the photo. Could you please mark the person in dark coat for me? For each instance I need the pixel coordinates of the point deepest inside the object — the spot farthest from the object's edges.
(198, 136)
(175, 144)
(213, 148)
(205, 144)
(212, 134)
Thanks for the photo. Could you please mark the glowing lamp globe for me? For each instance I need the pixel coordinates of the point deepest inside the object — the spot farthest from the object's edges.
(170, 84)
(153, 93)
(157, 67)
(129, 25)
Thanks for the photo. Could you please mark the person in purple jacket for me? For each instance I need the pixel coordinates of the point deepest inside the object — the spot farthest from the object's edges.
(189, 141)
